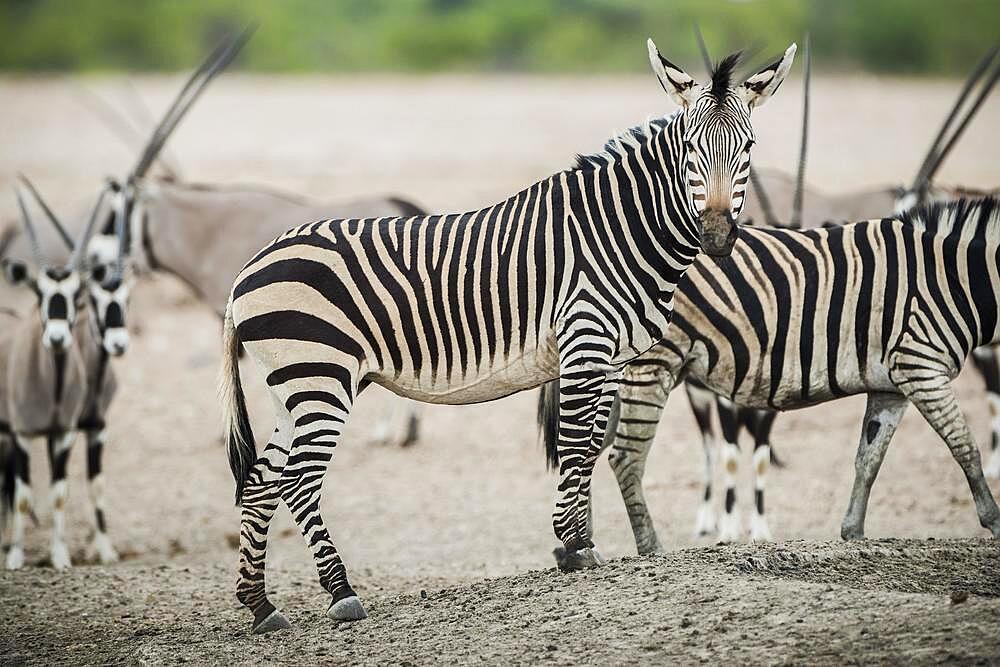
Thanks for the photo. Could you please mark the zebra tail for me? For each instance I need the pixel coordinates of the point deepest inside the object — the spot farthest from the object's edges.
(239, 434)
(548, 422)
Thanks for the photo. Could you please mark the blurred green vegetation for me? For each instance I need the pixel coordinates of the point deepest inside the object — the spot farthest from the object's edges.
(891, 36)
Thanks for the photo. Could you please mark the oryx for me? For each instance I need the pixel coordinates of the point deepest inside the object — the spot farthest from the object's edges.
(43, 380)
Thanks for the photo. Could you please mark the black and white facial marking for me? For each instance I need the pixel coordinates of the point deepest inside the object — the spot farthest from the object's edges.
(718, 138)
(109, 295)
(59, 291)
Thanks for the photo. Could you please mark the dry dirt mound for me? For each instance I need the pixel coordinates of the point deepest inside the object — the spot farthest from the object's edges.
(886, 601)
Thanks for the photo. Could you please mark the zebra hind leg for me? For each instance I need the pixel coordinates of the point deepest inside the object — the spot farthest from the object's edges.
(258, 504)
(882, 415)
(319, 420)
(935, 398)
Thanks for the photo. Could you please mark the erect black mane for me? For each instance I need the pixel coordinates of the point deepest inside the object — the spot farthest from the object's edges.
(722, 75)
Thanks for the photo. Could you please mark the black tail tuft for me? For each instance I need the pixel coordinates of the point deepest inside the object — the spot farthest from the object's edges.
(548, 422)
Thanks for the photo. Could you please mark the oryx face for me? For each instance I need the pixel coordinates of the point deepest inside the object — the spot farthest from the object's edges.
(59, 292)
(109, 295)
(717, 138)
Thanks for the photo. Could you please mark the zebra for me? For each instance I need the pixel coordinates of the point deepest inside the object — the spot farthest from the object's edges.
(889, 308)
(760, 422)
(571, 277)
(43, 382)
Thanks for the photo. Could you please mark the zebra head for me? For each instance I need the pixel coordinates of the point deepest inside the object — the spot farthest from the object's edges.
(717, 138)
(58, 288)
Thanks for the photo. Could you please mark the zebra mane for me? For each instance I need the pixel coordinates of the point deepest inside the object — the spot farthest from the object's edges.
(622, 144)
(963, 217)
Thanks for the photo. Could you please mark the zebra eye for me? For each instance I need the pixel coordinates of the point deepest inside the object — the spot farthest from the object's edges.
(749, 145)
(688, 146)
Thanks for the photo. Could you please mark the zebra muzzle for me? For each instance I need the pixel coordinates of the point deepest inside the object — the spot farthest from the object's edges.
(718, 232)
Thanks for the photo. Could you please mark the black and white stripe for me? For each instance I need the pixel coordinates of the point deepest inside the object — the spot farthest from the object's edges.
(890, 308)
(570, 278)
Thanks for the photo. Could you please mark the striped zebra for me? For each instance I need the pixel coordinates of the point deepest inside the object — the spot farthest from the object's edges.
(824, 210)
(570, 278)
(890, 308)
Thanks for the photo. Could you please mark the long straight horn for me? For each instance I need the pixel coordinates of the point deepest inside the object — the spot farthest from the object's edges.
(121, 232)
(920, 180)
(63, 234)
(217, 61)
(705, 58)
(800, 175)
(80, 249)
(983, 94)
(29, 229)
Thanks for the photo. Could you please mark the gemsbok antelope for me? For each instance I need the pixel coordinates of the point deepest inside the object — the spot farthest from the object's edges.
(43, 380)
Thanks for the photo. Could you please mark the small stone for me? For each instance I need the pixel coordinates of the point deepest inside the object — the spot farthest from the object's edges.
(685, 622)
(423, 594)
(959, 596)
(550, 647)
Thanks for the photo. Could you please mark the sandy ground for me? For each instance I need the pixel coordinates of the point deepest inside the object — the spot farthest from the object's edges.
(473, 499)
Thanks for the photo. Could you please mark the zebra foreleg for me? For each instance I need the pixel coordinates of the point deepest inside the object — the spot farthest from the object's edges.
(22, 500)
(59, 449)
(729, 525)
(882, 415)
(642, 396)
(701, 400)
(101, 545)
(985, 360)
(586, 395)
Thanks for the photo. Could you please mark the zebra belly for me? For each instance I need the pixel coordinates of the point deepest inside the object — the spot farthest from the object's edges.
(486, 384)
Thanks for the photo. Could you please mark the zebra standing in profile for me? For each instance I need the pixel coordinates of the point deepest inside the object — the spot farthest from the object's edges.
(570, 278)
(889, 308)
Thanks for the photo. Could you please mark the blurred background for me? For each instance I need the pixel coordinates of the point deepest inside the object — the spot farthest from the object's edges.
(582, 36)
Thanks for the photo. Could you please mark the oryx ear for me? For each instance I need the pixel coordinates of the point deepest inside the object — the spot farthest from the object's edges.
(15, 271)
(681, 88)
(758, 88)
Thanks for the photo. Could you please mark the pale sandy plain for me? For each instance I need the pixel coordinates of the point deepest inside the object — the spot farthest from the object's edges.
(472, 501)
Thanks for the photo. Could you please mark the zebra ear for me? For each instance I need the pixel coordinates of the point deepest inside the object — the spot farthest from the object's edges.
(681, 88)
(758, 88)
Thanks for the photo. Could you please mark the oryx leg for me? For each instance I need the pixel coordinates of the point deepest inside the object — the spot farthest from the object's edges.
(59, 449)
(399, 424)
(318, 422)
(761, 422)
(22, 499)
(587, 390)
(729, 524)
(882, 415)
(642, 395)
(932, 394)
(702, 400)
(101, 546)
(985, 360)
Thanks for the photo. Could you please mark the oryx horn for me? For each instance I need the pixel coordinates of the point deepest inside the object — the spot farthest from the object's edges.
(935, 155)
(29, 228)
(795, 222)
(217, 61)
(63, 234)
(80, 249)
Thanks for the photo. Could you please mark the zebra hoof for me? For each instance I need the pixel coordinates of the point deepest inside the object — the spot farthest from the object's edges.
(272, 623)
(581, 559)
(347, 609)
(15, 558)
